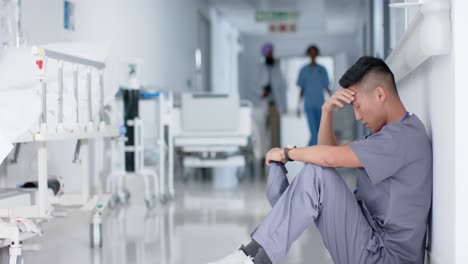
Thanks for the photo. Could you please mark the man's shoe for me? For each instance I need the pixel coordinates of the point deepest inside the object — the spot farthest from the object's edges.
(238, 257)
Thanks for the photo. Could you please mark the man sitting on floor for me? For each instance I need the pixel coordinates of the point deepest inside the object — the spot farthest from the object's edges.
(384, 220)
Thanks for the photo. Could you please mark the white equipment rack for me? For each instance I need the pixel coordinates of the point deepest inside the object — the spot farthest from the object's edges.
(162, 176)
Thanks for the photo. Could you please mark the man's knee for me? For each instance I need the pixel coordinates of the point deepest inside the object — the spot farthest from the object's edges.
(309, 175)
(315, 173)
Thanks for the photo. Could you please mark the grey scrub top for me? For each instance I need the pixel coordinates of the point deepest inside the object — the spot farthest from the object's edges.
(395, 187)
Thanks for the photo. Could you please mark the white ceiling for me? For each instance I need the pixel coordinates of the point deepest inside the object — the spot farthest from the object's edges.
(316, 16)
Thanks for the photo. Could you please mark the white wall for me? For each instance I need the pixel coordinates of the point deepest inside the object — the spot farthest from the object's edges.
(437, 92)
(428, 92)
(341, 65)
(378, 28)
(161, 33)
(204, 44)
(225, 54)
(460, 42)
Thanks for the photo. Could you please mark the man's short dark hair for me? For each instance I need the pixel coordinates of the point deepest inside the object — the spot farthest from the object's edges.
(364, 66)
(312, 47)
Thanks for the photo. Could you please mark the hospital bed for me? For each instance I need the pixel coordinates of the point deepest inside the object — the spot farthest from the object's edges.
(211, 130)
(60, 95)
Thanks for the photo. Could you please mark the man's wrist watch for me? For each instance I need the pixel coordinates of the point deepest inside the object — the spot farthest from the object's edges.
(286, 152)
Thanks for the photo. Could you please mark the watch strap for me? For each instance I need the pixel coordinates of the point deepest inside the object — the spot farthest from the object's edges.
(286, 153)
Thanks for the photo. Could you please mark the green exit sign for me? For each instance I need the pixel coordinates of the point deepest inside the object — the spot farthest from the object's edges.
(275, 16)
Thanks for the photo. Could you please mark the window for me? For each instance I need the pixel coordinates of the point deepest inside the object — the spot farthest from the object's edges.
(401, 14)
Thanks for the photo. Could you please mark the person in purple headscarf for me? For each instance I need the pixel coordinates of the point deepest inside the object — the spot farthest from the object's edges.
(271, 90)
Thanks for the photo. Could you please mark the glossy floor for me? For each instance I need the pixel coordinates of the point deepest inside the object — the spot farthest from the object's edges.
(202, 223)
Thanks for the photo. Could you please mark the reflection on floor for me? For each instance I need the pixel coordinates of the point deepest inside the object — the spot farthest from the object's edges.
(202, 224)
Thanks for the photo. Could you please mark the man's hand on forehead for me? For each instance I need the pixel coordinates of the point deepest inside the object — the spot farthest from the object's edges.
(339, 99)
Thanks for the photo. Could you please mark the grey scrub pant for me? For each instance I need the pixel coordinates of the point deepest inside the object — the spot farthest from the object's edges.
(317, 195)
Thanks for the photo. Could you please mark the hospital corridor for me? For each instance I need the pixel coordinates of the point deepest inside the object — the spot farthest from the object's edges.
(233, 132)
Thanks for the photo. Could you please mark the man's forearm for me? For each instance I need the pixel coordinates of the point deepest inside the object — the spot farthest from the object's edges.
(315, 154)
(326, 135)
(327, 156)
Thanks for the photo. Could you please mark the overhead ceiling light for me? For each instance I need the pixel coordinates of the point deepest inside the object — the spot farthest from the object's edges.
(405, 3)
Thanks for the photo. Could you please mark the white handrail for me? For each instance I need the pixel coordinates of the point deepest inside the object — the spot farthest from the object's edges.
(51, 54)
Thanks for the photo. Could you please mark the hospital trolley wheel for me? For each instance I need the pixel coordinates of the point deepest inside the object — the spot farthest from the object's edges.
(113, 201)
(150, 203)
(163, 199)
(95, 235)
(154, 200)
(240, 174)
(124, 197)
(171, 196)
(186, 175)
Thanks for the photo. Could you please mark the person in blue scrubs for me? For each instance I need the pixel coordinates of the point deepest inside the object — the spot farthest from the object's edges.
(313, 80)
